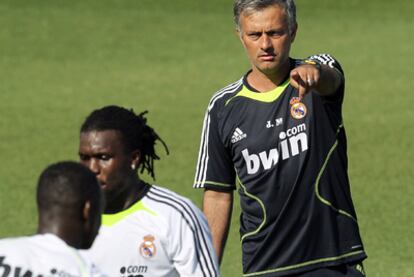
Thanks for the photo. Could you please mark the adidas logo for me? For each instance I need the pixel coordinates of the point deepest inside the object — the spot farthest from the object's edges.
(238, 135)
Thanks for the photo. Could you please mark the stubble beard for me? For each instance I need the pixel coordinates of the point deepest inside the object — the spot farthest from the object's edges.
(278, 70)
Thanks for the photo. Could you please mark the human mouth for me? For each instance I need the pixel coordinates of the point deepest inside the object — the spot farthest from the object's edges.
(267, 57)
(102, 184)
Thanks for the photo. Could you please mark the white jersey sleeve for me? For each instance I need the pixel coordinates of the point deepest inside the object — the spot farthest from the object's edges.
(191, 248)
(43, 255)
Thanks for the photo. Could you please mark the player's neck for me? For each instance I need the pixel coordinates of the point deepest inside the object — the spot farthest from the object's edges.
(264, 82)
(134, 192)
(67, 230)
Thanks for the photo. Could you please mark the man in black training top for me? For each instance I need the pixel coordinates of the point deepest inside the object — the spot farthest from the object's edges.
(278, 132)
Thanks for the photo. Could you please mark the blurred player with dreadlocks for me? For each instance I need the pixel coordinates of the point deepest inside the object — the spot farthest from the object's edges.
(146, 230)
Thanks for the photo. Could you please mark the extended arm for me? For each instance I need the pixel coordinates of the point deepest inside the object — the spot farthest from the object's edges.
(217, 207)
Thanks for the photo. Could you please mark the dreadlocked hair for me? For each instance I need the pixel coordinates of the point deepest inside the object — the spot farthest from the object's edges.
(136, 134)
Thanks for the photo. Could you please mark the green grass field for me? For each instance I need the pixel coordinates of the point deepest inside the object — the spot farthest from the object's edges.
(61, 59)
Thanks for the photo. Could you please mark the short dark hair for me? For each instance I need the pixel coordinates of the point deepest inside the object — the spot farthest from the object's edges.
(63, 189)
(136, 133)
(256, 5)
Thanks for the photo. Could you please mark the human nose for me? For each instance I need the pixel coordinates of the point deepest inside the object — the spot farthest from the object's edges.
(266, 43)
(94, 166)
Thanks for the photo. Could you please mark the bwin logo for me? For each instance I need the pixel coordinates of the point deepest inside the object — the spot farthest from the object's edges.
(293, 137)
(9, 270)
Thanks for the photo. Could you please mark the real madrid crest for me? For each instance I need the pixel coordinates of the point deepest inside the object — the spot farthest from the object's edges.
(298, 110)
(147, 247)
(294, 100)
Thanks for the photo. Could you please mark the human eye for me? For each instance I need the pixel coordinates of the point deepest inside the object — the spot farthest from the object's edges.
(104, 157)
(275, 34)
(83, 157)
(254, 35)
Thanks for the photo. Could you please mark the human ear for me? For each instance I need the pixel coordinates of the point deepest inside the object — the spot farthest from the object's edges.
(239, 34)
(135, 159)
(293, 33)
(86, 213)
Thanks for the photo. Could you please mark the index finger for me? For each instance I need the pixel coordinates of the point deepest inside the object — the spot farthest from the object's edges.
(297, 82)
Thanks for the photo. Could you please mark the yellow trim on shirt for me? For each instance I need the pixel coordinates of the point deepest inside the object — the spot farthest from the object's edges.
(267, 97)
(111, 219)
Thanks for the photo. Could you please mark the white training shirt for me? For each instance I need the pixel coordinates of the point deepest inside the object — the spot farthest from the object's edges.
(163, 234)
(43, 255)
